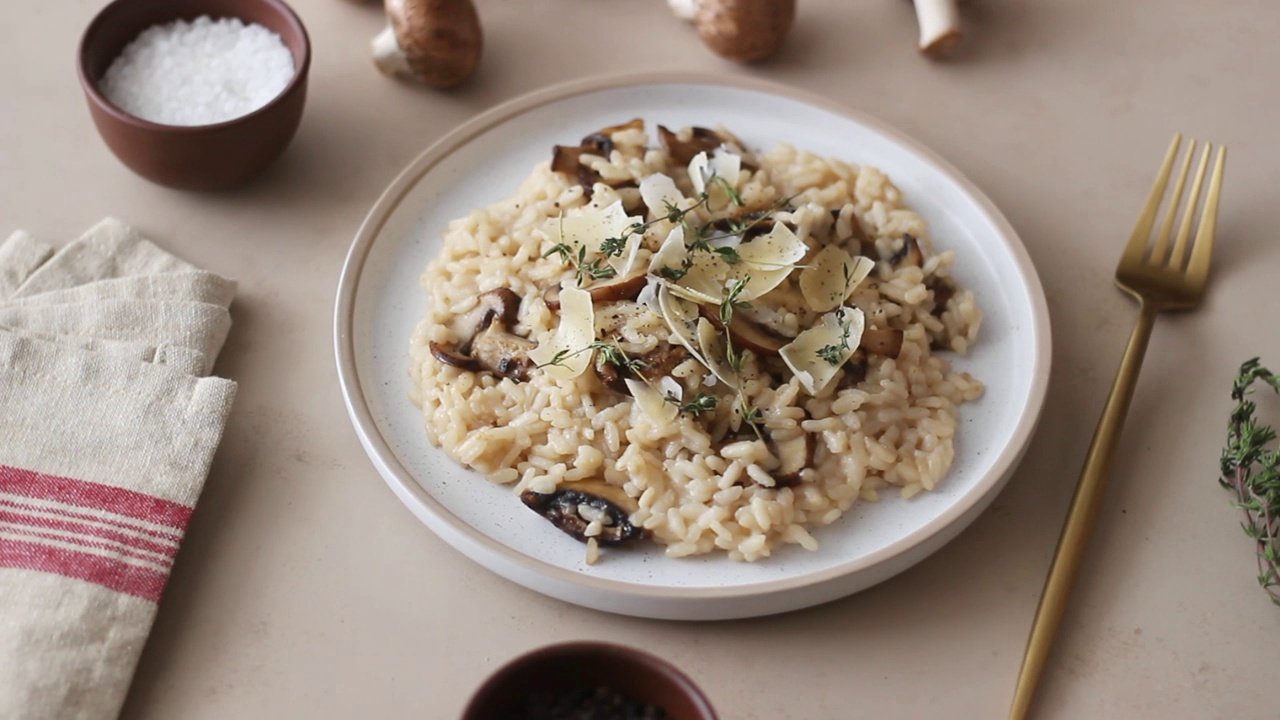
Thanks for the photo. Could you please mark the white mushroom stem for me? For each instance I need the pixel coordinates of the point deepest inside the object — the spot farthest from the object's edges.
(388, 55)
(939, 25)
(684, 9)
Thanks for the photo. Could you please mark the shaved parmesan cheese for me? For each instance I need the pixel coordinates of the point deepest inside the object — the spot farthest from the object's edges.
(809, 355)
(670, 388)
(713, 349)
(682, 319)
(832, 274)
(659, 193)
(723, 164)
(765, 262)
(575, 334)
(590, 226)
(649, 295)
(652, 402)
(671, 253)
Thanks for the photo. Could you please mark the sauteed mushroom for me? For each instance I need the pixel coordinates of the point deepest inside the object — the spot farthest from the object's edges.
(627, 288)
(655, 364)
(909, 253)
(794, 455)
(883, 341)
(574, 507)
(485, 341)
(682, 151)
(566, 159)
(745, 333)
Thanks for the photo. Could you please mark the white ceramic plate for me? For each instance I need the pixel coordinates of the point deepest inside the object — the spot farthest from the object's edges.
(380, 301)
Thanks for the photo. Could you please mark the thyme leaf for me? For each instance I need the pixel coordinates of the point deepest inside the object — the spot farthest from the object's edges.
(701, 403)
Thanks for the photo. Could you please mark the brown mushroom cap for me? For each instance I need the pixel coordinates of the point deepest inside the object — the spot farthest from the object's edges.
(439, 42)
(744, 30)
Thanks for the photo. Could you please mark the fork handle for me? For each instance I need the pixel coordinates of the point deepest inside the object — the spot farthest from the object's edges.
(1080, 518)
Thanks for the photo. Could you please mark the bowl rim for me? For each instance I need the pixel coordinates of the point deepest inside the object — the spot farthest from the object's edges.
(102, 103)
(549, 654)
(406, 486)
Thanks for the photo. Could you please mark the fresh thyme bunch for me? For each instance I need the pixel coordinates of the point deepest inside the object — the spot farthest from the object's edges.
(1252, 469)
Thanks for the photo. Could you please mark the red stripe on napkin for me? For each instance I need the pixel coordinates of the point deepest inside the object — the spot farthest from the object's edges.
(108, 572)
(69, 491)
(85, 530)
(101, 518)
(113, 531)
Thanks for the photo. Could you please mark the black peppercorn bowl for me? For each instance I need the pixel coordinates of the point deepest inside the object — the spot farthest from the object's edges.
(579, 673)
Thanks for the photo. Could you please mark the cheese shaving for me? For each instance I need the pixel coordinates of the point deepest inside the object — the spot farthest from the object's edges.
(565, 356)
(834, 337)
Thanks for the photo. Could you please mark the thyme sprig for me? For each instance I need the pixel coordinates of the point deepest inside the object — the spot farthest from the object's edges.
(834, 352)
(595, 268)
(1251, 467)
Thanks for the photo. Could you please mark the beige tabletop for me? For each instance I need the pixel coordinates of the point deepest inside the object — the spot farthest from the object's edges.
(305, 589)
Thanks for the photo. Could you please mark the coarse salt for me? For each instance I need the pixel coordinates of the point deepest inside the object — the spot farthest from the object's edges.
(199, 73)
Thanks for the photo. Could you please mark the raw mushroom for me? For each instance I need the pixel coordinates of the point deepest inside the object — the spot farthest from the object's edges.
(433, 42)
(939, 26)
(744, 30)
(574, 507)
(485, 341)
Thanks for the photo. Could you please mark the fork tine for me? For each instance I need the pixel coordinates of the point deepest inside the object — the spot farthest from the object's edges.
(1184, 230)
(1137, 247)
(1198, 267)
(1161, 249)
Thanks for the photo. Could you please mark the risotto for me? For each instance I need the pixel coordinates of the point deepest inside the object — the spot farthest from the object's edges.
(694, 344)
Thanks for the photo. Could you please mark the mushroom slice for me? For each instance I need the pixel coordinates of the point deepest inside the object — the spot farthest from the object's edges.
(909, 254)
(573, 507)
(627, 288)
(601, 141)
(501, 303)
(882, 341)
(794, 455)
(450, 356)
(682, 151)
(655, 366)
(502, 353)
(495, 312)
(746, 333)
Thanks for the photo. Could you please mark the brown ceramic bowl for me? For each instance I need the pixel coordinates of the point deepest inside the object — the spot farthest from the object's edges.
(588, 665)
(202, 157)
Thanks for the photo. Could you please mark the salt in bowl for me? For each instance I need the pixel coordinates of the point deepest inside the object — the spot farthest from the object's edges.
(217, 156)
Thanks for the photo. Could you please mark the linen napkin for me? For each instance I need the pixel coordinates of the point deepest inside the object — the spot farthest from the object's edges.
(107, 430)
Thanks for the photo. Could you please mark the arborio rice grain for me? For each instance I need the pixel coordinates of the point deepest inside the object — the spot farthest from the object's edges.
(697, 486)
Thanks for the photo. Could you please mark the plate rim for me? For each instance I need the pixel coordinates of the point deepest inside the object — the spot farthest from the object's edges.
(402, 482)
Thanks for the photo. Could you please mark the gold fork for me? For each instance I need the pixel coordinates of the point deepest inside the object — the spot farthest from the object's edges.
(1160, 278)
